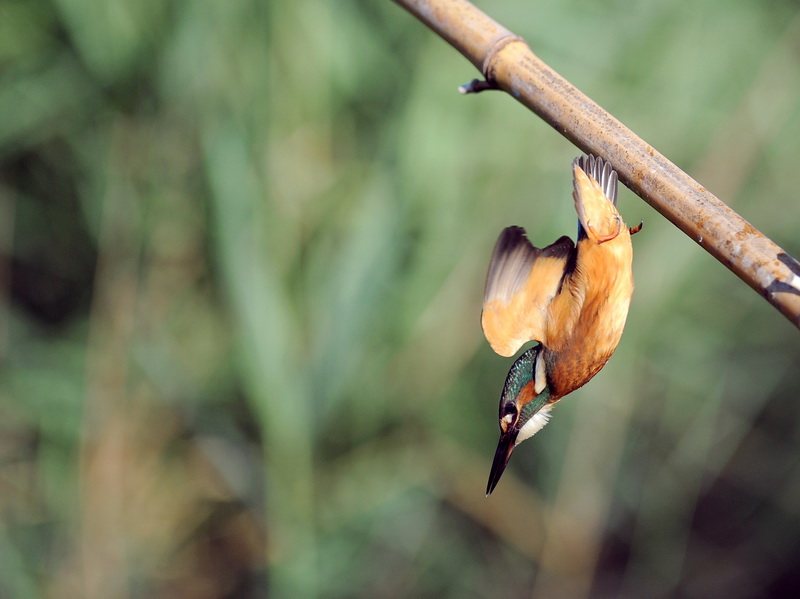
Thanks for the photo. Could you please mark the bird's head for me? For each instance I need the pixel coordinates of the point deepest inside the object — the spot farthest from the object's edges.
(524, 408)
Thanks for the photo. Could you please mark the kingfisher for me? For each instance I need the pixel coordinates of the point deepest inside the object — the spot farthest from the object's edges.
(572, 299)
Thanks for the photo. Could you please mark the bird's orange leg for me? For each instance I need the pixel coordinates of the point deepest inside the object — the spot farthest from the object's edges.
(604, 238)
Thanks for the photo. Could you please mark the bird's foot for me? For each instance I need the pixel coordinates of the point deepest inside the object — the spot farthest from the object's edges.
(602, 238)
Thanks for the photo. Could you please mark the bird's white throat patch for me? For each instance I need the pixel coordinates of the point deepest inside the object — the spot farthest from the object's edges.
(535, 424)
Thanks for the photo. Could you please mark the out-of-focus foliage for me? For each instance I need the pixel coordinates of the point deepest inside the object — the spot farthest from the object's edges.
(242, 249)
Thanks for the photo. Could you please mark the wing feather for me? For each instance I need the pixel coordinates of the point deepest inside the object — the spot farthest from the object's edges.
(595, 195)
(521, 283)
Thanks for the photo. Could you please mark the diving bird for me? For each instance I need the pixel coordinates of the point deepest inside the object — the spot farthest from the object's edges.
(572, 299)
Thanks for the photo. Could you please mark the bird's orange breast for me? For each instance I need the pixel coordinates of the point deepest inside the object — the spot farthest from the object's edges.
(586, 321)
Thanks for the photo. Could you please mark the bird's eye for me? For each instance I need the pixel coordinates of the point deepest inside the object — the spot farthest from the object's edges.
(510, 409)
(507, 416)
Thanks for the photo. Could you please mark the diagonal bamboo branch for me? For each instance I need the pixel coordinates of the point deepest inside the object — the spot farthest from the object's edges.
(508, 63)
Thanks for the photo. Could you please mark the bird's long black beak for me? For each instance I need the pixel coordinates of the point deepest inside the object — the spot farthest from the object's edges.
(504, 448)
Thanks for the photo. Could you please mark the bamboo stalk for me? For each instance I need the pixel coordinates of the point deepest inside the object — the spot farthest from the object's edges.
(508, 63)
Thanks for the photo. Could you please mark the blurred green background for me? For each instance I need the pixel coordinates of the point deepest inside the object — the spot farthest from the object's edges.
(242, 251)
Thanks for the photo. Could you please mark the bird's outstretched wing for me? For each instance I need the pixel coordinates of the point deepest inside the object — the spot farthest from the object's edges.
(595, 195)
(521, 283)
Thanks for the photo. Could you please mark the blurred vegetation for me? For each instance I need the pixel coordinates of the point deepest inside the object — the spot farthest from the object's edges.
(242, 250)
